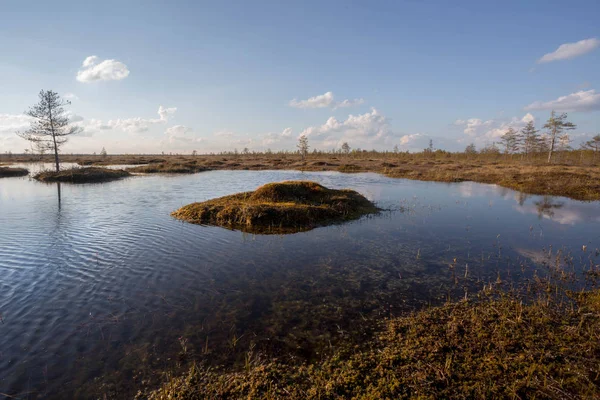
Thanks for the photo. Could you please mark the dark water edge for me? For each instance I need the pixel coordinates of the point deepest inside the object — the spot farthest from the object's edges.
(102, 289)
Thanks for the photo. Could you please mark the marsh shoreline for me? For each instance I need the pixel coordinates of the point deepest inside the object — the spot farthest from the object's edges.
(568, 177)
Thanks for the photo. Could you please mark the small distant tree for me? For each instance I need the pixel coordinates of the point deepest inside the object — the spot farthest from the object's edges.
(556, 127)
(510, 141)
(529, 138)
(593, 144)
(245, 151)
(431, 145)
(346, 148)
(194, 153)
(471, 149)
(396, 149)
(50, 124)
(303, 146)
(103, 153)
(490, 149)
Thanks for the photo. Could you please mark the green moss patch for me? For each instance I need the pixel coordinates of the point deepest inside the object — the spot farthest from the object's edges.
(284, 207)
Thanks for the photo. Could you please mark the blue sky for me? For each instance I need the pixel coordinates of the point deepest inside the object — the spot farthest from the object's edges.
(235, 74)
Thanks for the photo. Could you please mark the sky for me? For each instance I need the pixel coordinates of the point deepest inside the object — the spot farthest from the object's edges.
(177, 76)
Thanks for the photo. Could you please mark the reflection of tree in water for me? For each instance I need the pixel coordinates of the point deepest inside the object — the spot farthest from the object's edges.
(59, 196)
(547, 205)
(522, 198)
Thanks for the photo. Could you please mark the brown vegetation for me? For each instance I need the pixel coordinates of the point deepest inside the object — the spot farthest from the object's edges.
(7, 172)
(82, 175)
(284, 207)
(494, 347)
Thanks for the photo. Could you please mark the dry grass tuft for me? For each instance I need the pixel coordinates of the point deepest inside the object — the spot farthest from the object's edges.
(284, 207)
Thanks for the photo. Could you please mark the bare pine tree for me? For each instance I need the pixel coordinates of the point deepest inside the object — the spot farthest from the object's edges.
(593, 144)
(50, 125)
(529, 138)
(303, 146)
(510, 141)
(346, 148)
(556, 126)
(471, 149)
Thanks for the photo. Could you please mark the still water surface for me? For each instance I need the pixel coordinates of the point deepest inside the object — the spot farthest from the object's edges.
(100, 286)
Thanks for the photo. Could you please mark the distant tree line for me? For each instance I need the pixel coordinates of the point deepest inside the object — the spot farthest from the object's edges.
(50, 128)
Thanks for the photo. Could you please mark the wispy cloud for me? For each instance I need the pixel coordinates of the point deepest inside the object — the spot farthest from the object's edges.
(584, 100)
(324, 101)
(570, 50)
(182, 134)
(320, 101)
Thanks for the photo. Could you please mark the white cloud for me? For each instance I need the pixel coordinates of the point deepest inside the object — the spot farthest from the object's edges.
(570, 50)
(484, 132)
(360, 130)
(92, 126)
(584, 100)
(129, 125)
(473, 126)
(324, 101)
(89, 61)
(166, 113)
(528, 118)
(408, 139)
(138, 125)
(272, 138)
(287, 132)
(107, 70)
(320, 101)
(349, 103)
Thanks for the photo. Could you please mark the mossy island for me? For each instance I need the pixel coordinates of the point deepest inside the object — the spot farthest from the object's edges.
(7, 172)
(82, 175)
(276, 208)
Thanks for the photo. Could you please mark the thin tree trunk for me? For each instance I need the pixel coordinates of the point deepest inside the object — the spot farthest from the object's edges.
(551, 147)
(54, 140)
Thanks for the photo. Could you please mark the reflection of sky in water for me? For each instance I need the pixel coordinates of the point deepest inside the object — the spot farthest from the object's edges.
(113, 249)
(556, 209)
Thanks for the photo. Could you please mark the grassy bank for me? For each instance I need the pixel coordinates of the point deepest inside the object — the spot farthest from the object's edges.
(283, 207)
(496, 346)
(559, 180)
(82, 175)
(7, 172)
